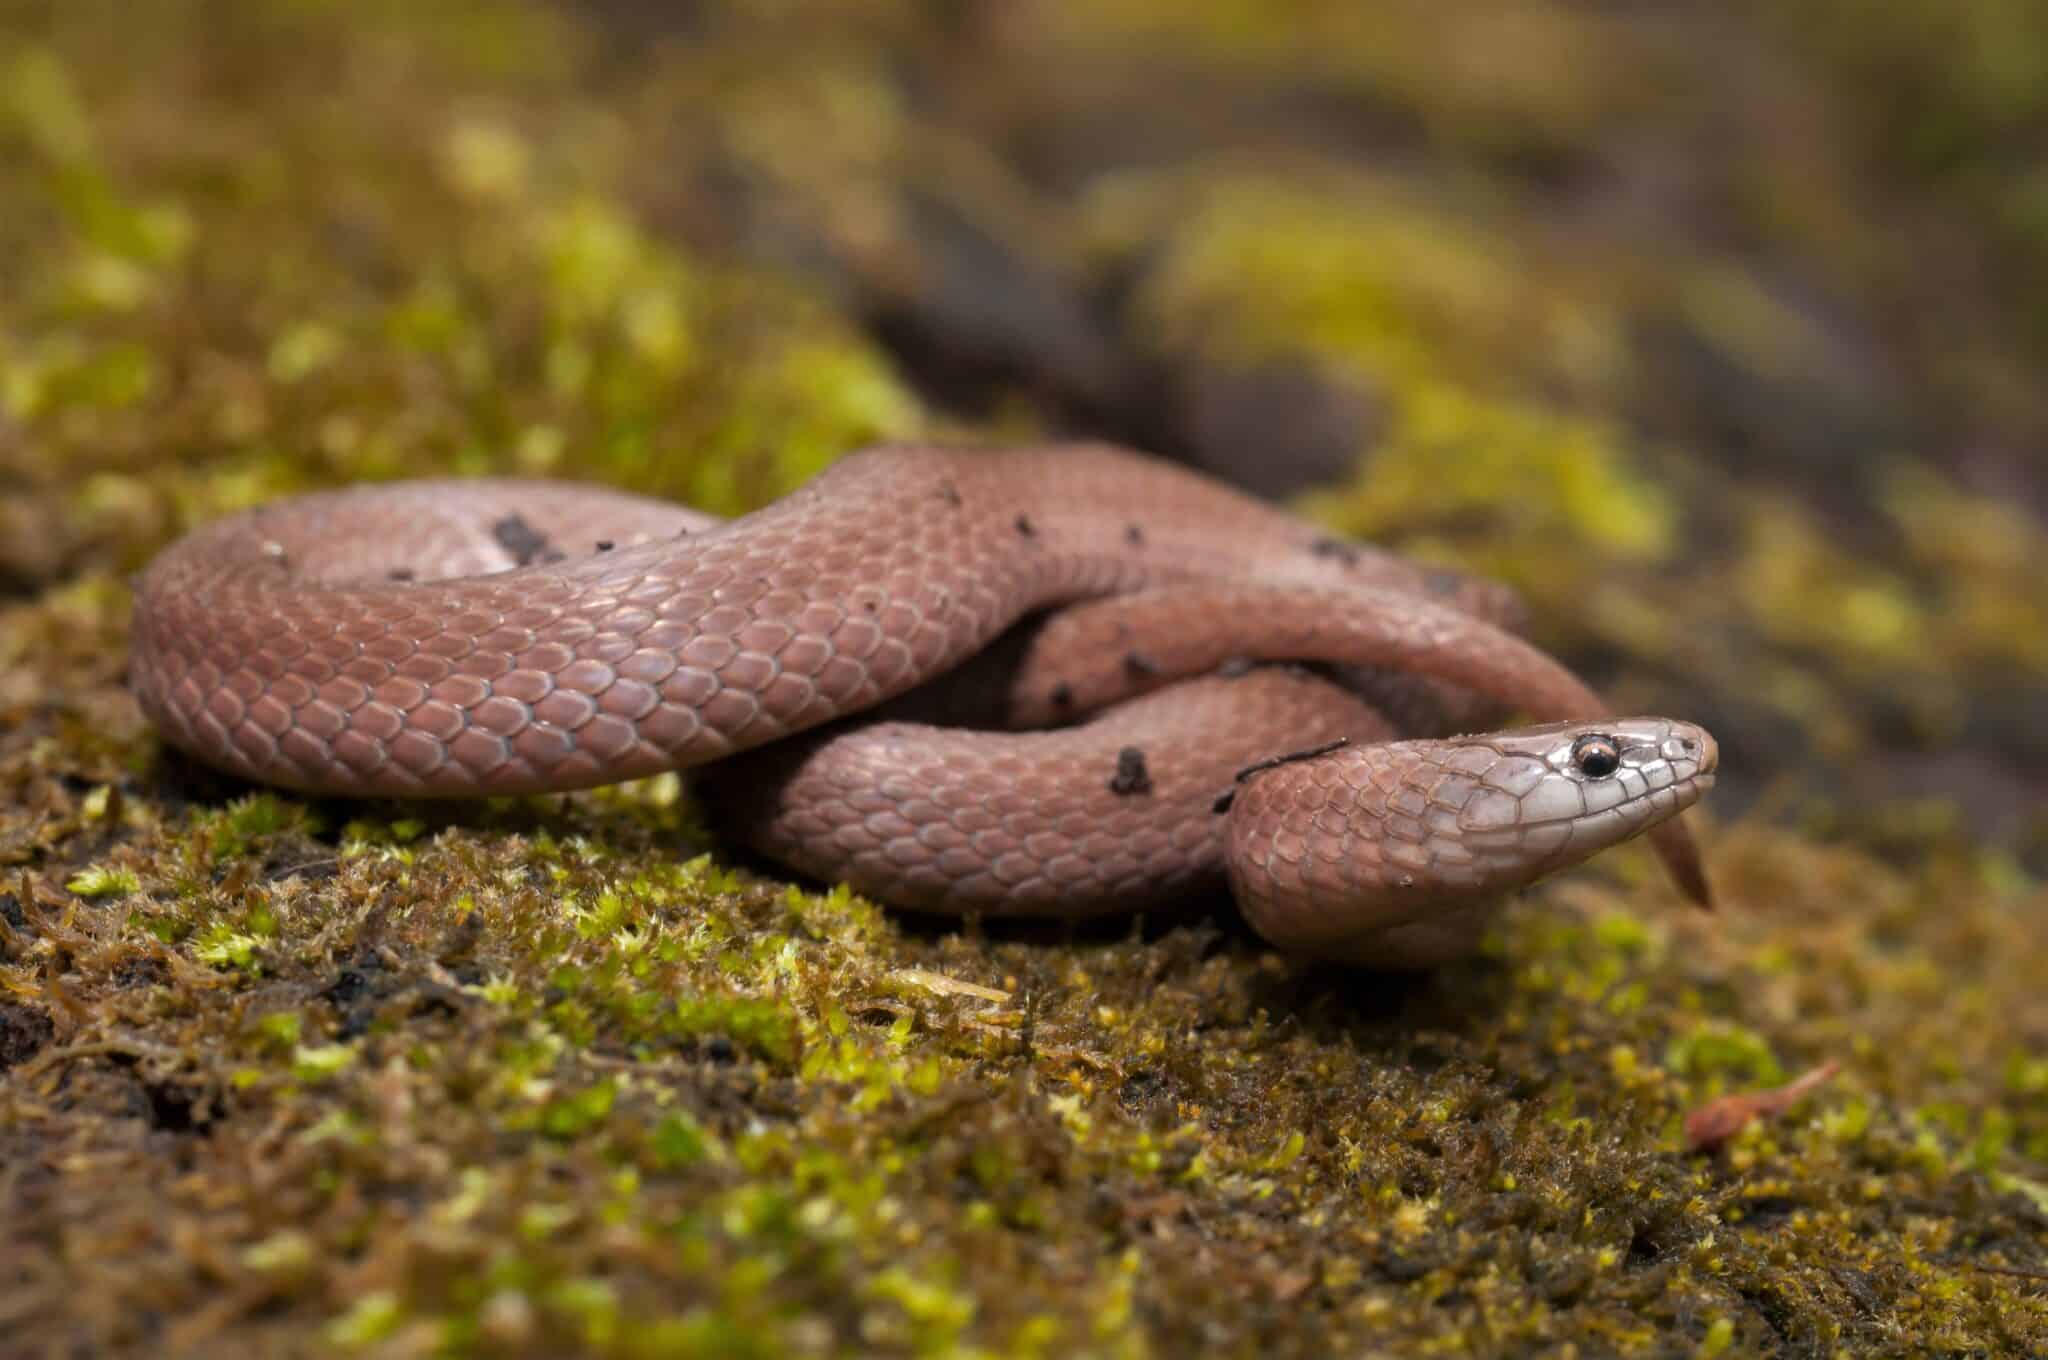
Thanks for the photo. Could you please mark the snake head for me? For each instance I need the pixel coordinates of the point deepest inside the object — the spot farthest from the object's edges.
(1393, 850)
(1549, 796)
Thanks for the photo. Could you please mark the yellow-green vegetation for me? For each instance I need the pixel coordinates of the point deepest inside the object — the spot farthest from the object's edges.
(561, 1074)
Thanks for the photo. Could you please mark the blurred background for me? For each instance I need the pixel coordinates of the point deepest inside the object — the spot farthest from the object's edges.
(1716, 328)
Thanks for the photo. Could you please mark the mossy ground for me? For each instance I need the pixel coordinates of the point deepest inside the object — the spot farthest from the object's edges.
(552, 1074)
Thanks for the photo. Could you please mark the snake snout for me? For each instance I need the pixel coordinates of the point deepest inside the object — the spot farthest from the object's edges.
(1709, 753)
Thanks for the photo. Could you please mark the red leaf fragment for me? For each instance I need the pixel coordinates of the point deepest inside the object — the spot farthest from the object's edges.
(1715, 1122)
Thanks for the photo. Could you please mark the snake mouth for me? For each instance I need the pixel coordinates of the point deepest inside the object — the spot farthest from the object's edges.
(1630, 819)
(1536, 847)
(1689, 792)
(1709, 758)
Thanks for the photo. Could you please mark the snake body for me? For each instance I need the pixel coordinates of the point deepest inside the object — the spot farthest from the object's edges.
(499, 636)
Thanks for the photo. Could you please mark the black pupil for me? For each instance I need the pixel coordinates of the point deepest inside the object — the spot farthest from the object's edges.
(1597, 757)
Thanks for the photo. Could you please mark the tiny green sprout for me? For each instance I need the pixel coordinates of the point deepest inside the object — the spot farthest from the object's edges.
(104, 881)
(606, 916)
(499, 989)
(225, 947)
(579, 1111)
(475, 1189)
(287, 1252)
(680, 1141)
(1285, 1154)
(280, 1029)
(538, 1222)
(319, 1062)
(248, 820)
(165, 927)
(370, 1319)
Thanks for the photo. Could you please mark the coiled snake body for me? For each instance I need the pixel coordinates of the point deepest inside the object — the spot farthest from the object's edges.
(465, 638)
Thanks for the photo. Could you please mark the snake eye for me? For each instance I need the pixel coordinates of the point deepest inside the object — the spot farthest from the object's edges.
(1596, 756)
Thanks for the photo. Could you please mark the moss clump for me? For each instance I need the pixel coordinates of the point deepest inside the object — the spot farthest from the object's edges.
(552, 1075)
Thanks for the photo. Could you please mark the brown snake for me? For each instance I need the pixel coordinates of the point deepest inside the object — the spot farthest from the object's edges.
(451, 639)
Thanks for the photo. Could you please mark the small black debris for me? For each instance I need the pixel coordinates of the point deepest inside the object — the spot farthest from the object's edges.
(526, 543)
(1131, 775)
(1346, 553)
(349, 985)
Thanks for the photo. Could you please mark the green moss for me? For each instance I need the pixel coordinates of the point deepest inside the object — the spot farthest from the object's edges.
(1440, 319)
(1726, 1051)
(758, 1026)
(246, 824)
(1547, 473)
